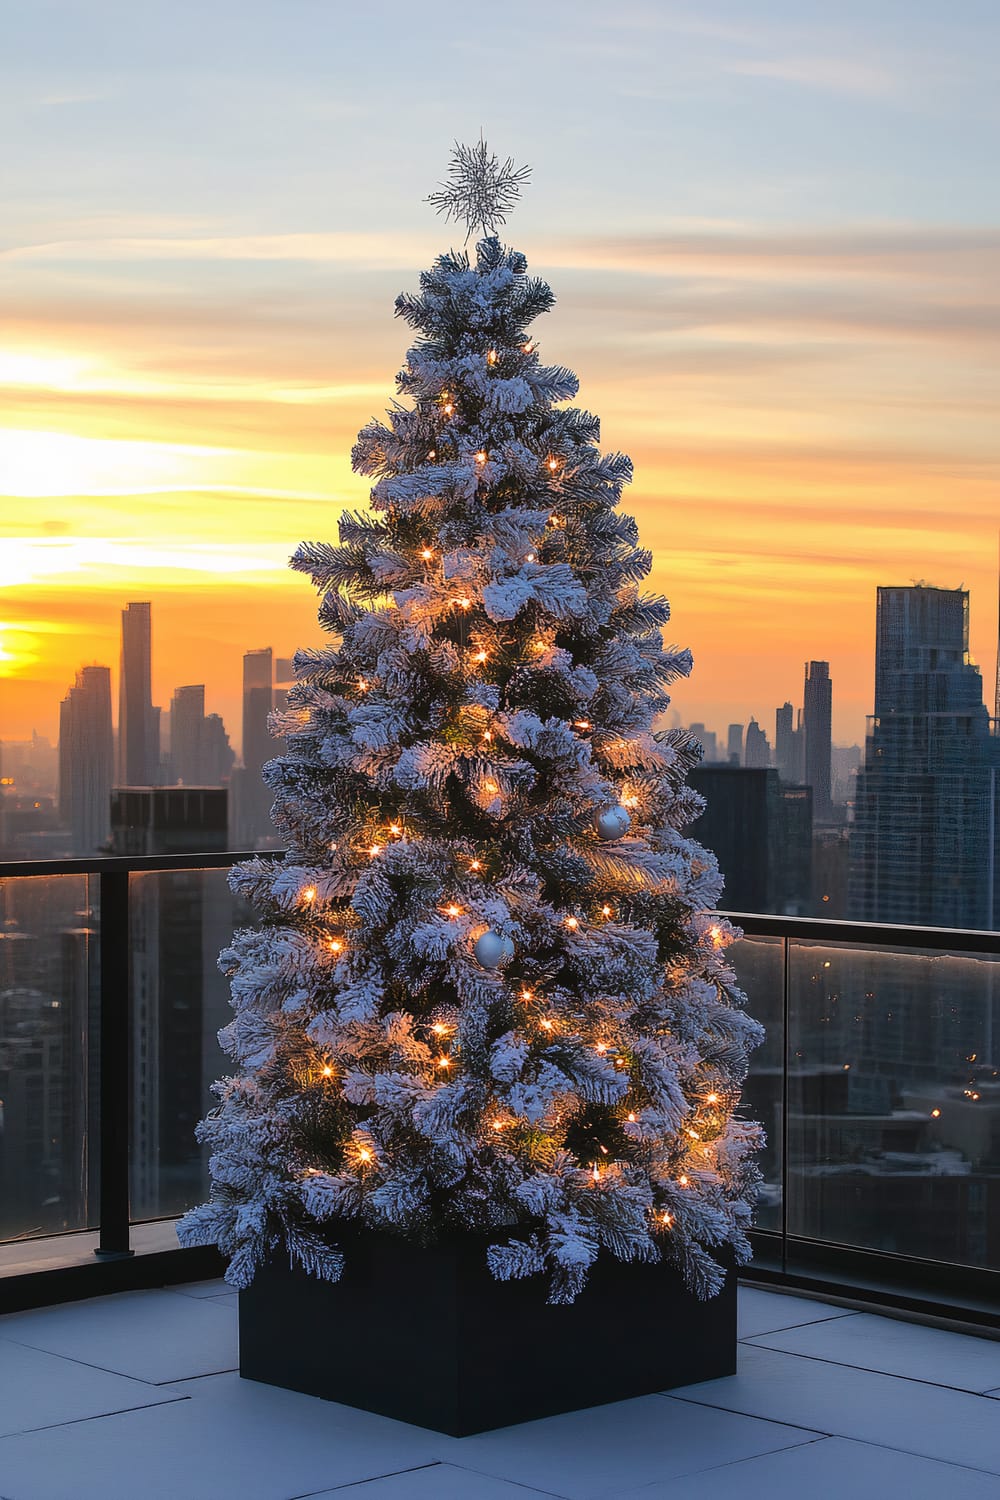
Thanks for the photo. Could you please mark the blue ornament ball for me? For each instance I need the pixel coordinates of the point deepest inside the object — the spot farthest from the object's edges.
(492, 948)
(612, 823)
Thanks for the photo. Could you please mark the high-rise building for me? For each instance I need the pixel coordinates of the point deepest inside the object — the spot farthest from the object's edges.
(86, 759)
(817, 706)
(788, 738)
(708, 741)
(734, 744)
(761, 834)
(925, 833)
(187, 716)
(180, 920)
(252, 812)
(138, 720)
(756, 750)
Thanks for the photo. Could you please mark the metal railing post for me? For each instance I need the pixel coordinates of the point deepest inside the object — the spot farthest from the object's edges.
(116, 1056)
(786, 943)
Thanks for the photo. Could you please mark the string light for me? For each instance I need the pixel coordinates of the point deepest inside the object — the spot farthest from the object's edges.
(439, 1028)
(935, 1114)
(480, 656)
(527, 995)
(541, 646)
(335, 945)
(572, 923)
(463, 603)
(530, 557)
(527, 348)
(453, 910)
(605, 911)
(553, 463)
(497, 1124)
(309, 894)
(427, 554)
(432, 453)
(632, 1118)
(711, 1099)
(365, 1154)
(475, 864)
(328, 1071)
(481, 456)
(596, 1173)
(546, 1024)
(333, 848)
(396, 829)
(491, 357)
(694, 1135)
(601, 1047)
(715, 933)
(630, 802)
(375, 850)
(363, 684)
(444, 1062)
(667, 1219)
(487, 736)
(682, 1181)
(581, 724)
(490, 786)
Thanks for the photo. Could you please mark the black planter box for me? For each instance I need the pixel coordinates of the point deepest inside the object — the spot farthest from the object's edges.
(426, 1335)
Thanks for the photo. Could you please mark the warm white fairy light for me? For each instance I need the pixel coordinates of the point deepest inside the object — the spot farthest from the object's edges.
(427, 554)
(553, 464)
(711, 1098)
(363, 684)
(682, 1181)
(309, 894)
(444, 1062)
(335, 945)
(432, 453)
(439, 1028)
(327, 1071)
(374, 850)
(480, 656)
(481, 456)
(453, 911)
(395, 829)
(572, 923)
(605, 911)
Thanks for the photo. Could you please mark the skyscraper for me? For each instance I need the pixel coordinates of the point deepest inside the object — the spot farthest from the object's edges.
(924, 839)
(707, 740)
(138, 720)
(816, 716)
(734, 744)
(756, 750)
(187, 716)
(86, 759)
(788, 745)
(252, 815)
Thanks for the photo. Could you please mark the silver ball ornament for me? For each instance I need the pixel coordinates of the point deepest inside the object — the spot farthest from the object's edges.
(492, 948)
(612, 823)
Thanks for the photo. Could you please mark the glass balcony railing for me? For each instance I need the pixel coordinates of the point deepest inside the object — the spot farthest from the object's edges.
(878, 1084)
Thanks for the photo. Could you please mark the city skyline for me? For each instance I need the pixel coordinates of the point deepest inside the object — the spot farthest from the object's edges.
(791, 327)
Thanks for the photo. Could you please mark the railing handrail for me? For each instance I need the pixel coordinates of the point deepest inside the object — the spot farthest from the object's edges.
(115, 1009)
(755, 924)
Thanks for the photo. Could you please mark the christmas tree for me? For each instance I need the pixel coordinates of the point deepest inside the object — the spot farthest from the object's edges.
(487, 991)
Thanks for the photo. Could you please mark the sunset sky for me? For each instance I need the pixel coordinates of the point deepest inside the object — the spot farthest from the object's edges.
(772, 229)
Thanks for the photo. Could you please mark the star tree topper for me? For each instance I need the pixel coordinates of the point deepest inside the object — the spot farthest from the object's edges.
(480, 189)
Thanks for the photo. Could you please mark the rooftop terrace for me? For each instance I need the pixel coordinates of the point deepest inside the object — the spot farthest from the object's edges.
(135, 1396)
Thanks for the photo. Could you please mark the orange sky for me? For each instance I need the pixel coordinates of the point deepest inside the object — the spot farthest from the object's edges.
(809, 416)
(769, 238)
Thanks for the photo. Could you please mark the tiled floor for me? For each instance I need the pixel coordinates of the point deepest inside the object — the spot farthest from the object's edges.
(135, 1397)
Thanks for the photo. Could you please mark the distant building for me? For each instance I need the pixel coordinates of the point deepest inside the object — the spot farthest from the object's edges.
(788, 747)
(925, 831)
(138, 720)
(817, 705)
(180, 921)
(845, 763)
(761, 834)
(200, 754)
(707, 740)
(252, 810)
(734, 744)
(86, 760)
(756, 750)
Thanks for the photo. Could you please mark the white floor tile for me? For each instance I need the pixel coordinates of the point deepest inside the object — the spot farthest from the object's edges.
(438, 1482)
(896, 1348)
(846, 1402)
(765, 1312)
(235, 1440)
(153, 1336)
(584, 1454)
(42, 1390)
(828, 1470)
(216, 1288)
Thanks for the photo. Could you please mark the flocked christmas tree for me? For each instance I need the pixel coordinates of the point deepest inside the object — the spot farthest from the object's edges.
(487, 991)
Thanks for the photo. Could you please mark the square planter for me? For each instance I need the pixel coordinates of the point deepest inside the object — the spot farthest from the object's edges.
(425, 1334)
